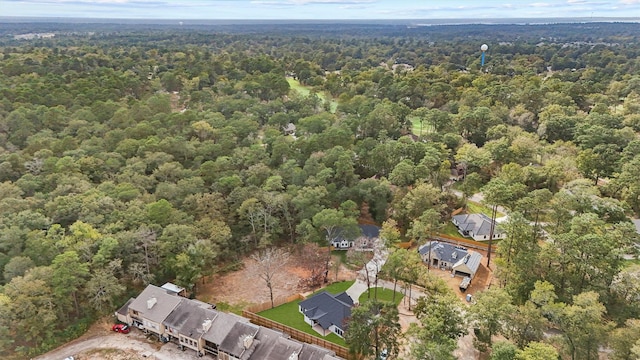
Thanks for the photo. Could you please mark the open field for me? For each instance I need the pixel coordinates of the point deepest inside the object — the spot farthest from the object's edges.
(306, 90)
(418, 129)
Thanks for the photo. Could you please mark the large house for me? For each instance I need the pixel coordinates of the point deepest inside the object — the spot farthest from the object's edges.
(151, 308)
(198, 326)
(327, 313)
(364, 241)
(477, 226)
(460, 261)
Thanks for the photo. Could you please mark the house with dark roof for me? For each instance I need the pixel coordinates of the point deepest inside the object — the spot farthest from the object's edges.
(327, 313)
(151, 308)
(218, 331)
(459, 260)
(477, 227)
(240, 342)
(188, 322)
(197, 325)
(364, 240)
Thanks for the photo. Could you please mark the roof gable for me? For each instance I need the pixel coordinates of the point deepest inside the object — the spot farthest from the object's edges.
(443, 251)
(190, 319)
(328, 309)
(240, 338)
(155, 303)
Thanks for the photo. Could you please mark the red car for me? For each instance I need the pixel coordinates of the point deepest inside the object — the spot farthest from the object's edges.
(121, 328)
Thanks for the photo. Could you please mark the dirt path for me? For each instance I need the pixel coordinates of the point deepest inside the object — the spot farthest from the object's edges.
(132, 346)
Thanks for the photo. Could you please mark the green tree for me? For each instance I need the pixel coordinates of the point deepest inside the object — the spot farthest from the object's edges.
(68, 276)
(103, 288)
(334, 223)
(537, 351)
(491, 314)
(374, 326)
(441, 323)
(623, 339)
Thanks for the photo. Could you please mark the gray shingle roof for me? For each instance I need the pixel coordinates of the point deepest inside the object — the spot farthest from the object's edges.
(268, 339)
(370, 231)
(234, 342)
(472, 260)
(313, 352)
(479, 224)
(443, 251)
(155, 303)
(189, 318)
(328, 309)
(124, 310)
(221, 327)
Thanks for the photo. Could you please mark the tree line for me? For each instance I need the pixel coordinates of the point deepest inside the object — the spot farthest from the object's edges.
(144, 155)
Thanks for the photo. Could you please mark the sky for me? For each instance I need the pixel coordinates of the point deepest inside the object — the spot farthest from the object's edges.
(320, 9)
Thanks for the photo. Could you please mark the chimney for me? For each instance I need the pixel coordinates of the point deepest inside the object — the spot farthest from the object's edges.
(206, 325)
(247, 341)
(151, 302)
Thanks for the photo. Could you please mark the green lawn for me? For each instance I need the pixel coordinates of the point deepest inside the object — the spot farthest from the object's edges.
(337, 288)
(416, 129)
(632, 262)
(288, 314)
(384, 294)
(306, 90)
(476, 208)
(451, 230)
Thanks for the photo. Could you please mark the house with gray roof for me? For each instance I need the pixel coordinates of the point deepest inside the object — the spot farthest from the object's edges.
(363, 240)
(151, 308)
(240, 342)
(326, 312)
(221, 326)
(197, 325)
(477, 227)
(461, 261)
(188, 322)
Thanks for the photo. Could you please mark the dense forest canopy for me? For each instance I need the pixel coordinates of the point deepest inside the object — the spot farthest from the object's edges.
(132, 154)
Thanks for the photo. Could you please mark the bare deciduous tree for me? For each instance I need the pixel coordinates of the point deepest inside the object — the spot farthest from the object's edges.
(270, 262)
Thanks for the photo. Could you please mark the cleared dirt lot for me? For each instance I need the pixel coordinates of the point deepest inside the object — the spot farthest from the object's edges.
(244, 287)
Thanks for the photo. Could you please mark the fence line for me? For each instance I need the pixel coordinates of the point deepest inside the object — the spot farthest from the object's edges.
(276, 302)
(296, 334)
(463, 242)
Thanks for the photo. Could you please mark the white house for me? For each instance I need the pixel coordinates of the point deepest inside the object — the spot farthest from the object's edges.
(477, 226)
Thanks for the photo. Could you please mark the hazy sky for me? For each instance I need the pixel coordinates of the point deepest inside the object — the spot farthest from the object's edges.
(320, 9)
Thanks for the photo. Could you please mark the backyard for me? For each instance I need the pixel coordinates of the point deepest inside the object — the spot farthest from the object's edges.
(288, 314)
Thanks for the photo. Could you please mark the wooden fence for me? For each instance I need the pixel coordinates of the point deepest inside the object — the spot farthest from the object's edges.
(296, 334)
(464, 242)
(276, 302)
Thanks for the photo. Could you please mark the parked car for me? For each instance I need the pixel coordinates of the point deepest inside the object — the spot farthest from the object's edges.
(69, 358)
(121, 328)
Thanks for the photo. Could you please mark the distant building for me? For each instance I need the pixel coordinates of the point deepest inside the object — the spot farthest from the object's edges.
(364, 241)
(477, 226)
(460, 261)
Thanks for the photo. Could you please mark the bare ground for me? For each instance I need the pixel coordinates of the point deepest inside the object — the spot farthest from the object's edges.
(244, 287)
